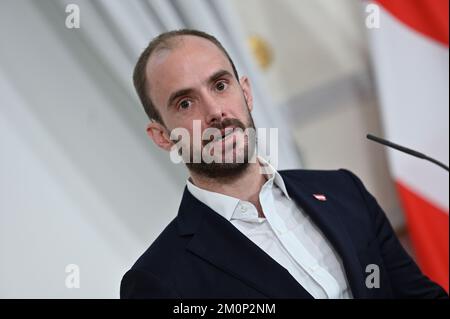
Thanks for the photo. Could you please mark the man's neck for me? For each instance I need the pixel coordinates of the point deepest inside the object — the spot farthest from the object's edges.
(245, 187)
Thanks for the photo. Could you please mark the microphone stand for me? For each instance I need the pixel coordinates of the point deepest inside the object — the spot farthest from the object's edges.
(406, 150)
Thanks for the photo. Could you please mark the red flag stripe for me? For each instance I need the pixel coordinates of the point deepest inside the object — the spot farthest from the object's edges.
(428, 226)
(429, 17)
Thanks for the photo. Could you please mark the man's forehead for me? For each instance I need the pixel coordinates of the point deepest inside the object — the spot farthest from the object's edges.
(180, 47)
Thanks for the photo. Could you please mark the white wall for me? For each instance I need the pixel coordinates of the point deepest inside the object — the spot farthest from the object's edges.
(79, 180)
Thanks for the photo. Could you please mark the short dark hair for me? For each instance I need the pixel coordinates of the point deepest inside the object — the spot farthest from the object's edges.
(160, 42)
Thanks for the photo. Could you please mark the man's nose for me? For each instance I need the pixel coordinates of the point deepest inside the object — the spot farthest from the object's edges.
(213, 110)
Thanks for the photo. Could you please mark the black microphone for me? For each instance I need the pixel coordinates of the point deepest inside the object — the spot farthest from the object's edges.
(406, 150)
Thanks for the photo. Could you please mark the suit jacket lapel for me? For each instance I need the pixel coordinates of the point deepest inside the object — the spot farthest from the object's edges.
(217, 241)
(325, 215)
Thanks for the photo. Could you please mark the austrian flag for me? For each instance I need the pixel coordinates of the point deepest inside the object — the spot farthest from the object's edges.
(410, 53)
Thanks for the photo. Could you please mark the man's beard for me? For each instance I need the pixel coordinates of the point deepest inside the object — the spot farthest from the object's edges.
(223, 170)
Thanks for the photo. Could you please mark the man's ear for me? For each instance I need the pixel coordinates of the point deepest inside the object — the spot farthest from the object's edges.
(247, 90)
(160, 135)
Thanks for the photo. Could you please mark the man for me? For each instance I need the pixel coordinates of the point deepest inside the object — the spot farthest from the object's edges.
(244, 232)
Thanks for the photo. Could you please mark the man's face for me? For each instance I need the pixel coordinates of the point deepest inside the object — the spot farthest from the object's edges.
(195, 81)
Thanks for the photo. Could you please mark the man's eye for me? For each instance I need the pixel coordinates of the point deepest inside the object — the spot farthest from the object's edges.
(185, 104)
(221, 86)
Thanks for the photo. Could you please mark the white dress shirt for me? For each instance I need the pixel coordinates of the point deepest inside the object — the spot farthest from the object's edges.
(286, 234)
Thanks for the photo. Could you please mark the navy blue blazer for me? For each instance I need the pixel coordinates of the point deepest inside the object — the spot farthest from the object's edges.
(202, 255)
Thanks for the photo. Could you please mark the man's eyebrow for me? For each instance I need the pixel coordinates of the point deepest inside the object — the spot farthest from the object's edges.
(175, 95)
(217, 75)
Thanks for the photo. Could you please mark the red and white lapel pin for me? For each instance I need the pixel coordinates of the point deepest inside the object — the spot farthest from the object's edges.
(320, 197)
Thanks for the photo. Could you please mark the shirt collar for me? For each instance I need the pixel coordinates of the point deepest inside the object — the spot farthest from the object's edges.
(220, 203)
(226, 205)
(273, 176)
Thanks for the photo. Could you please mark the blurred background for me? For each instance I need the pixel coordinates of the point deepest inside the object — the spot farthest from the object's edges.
(81, 184)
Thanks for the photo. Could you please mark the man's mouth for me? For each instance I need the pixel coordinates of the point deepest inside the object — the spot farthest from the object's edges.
(224, 135)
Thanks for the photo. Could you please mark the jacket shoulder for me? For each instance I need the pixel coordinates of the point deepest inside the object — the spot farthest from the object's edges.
(162, 253)
(342, 183)
(319, 176)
